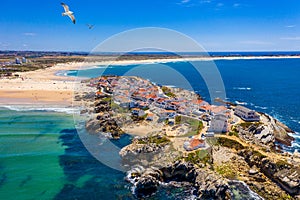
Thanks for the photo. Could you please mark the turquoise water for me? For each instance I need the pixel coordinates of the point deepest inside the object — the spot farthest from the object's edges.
(42, 156)
(30, 153)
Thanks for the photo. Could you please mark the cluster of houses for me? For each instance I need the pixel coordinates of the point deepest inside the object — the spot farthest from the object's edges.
(17, 61)
(138, 95)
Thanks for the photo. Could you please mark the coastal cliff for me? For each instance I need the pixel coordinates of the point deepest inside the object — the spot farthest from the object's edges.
(229, 163)
(179, 145)
(265, 133)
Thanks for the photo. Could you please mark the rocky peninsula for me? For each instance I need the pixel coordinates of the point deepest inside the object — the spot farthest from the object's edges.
(216, 151)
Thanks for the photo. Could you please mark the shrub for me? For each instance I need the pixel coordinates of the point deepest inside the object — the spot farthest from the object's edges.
(226, 171)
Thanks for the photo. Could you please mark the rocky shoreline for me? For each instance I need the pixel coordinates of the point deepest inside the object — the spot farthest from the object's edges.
(210, 180)
(244, 163)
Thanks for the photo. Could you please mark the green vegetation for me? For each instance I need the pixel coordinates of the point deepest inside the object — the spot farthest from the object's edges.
(154, 139)
(167, 91)
(107, 99)
(234, 129)
(258, 154)
(281, 164)
(199, 156)
(226, 142)
(177, 119)
(226, 171)
(233, 133)
(36, 62)
(117, 108)
(195, 126)
(246, 125)
(137, 118)
(285, 197)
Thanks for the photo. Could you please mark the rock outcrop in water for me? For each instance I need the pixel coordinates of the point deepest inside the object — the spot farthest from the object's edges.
(265, 133)
(207, 184)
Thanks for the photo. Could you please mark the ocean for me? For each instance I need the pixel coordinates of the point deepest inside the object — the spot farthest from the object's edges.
(42, 156)
(265, 85)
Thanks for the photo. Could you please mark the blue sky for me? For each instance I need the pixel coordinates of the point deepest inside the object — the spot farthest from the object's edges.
(218, 25)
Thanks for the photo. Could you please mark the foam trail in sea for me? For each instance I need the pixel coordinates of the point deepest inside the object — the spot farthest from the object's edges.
(241, 103)
(68, 110)
(242, 88)
(261, 107)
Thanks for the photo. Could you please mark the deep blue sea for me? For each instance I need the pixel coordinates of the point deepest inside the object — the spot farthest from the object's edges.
(42, 156)
(266, 85)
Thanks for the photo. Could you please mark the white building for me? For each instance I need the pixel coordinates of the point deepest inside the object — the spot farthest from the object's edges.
(219, 124)
(246, 114)
(24, 60)
(18, 61)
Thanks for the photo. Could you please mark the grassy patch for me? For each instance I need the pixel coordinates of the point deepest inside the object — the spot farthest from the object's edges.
(199, 156)
(195, 125)
(226, 142)
(117, 108)
(154, 139)
(246, 125)
(226, 171)
(233, 133)
(167, 91)
(106, 99)
(177, 119)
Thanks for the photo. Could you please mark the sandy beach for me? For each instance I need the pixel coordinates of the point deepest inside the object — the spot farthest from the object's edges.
(39, 87)
(44, 86)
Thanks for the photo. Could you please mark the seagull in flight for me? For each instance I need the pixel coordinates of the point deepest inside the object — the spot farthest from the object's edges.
(90, 26)
(68, 12)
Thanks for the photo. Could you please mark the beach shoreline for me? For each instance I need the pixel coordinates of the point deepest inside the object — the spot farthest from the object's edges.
(51, 86)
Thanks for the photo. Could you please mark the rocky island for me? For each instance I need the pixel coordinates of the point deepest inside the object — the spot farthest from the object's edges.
(222, 151)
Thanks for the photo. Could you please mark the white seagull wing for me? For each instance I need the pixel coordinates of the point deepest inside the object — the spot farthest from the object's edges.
(72, 18)
(66, 7)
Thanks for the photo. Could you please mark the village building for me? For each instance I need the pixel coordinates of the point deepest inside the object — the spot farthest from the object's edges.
(150, 117)
(209, 134)
(168, 114)
(194, 144)
(246, 114)
(138, 112)
(219, 124)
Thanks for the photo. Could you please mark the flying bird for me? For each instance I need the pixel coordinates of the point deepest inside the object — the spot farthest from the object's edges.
(90, 26)
(68, 12)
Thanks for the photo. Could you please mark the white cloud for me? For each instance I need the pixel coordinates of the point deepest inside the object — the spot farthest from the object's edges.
(290, 38)
(29, 34)
(220, 4)
(185, 1)
(290, 26)
(236, 5)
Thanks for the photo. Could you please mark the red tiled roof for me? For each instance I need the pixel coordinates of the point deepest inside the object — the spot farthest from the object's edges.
(196, 142)
(206, 107)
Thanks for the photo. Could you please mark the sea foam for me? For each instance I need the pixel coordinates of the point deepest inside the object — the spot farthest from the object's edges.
(68, 110)
(242, 88)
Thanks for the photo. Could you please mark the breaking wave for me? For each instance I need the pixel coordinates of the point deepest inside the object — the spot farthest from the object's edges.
(242, 88)
(68, 110)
